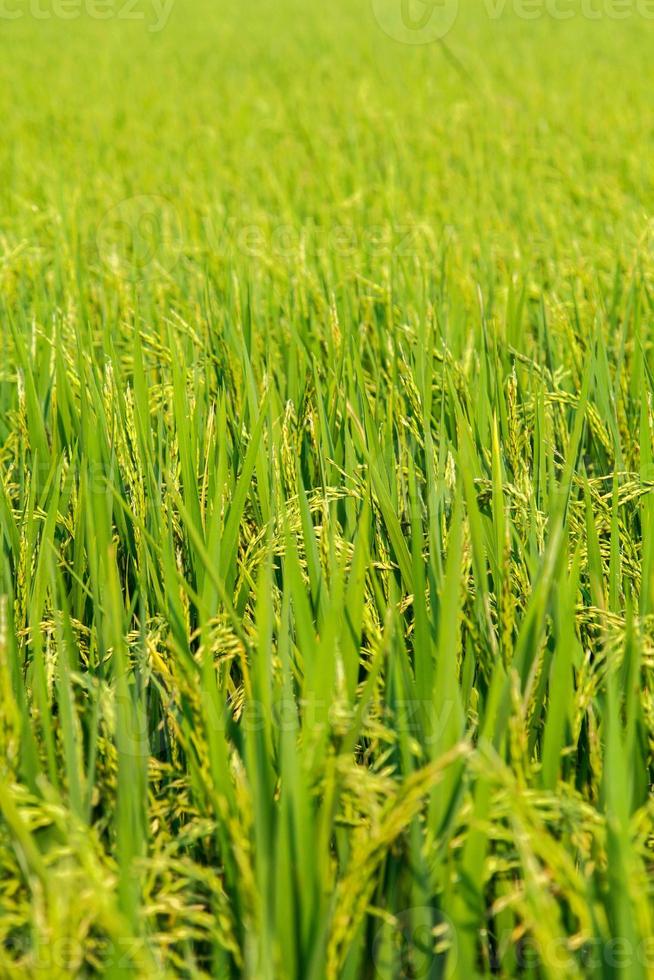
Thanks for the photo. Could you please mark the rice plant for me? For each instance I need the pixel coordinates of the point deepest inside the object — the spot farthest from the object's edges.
(326, 496)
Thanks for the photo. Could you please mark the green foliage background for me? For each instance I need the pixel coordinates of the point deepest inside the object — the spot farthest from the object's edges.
(326, 513)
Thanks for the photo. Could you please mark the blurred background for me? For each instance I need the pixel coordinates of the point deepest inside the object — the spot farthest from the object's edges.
(298, 139)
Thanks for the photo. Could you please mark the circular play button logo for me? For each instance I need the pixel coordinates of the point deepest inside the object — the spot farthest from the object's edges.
(416, 21)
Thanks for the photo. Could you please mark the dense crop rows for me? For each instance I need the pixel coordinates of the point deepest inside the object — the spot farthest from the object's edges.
(326, 497)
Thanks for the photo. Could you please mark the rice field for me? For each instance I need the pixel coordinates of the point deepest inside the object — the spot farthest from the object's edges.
(326, 489)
